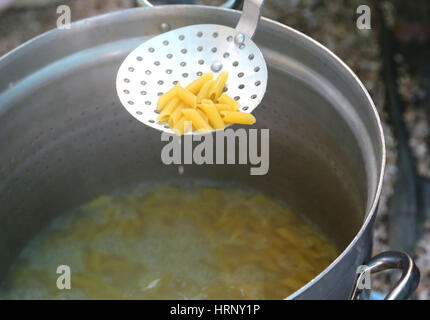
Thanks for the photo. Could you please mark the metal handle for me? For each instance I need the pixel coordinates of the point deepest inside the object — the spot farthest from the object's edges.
(228, 4)
(391, 260)
(250, 17)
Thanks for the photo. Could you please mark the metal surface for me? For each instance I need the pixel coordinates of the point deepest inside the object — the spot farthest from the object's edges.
(408, 281)
(65, 138)
(251, 15)
(184, 54)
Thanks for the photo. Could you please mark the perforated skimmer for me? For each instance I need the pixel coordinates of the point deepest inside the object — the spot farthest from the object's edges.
(184, 54)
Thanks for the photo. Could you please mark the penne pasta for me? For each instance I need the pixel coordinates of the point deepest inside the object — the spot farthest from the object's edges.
(198, 122)
(197, 84)
(218, 86)
(201, 106)
(213, 115)
(187, 97)
(165, 98)
(224, 107)
(203, 115)
(237, 117)
(204, 91)
(182, 126)
(226, 99)
(176, 115)
(168, 109)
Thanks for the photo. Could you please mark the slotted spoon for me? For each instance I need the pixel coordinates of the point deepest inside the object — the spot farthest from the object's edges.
(182, 55)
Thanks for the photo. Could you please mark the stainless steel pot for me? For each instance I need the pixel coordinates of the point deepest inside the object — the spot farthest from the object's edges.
(65, 138)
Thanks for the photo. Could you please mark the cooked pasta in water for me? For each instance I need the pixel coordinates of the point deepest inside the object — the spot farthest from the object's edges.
(201, 106)
(173, 243)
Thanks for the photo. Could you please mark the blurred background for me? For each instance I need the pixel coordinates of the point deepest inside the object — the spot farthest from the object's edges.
(393, 61)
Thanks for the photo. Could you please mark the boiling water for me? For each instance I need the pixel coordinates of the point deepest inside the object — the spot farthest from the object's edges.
(173, 243)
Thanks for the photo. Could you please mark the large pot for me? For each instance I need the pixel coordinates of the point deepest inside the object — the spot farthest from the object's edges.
(65, 138)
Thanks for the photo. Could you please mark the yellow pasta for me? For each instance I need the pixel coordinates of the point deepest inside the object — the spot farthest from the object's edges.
(198, 122)
(226, 99)
(176, 115)
(201, 106)
(218, 86)
(224, 107)
(187, 97)
(204, 91)
(213, 115)
(168, 109)
(203, 115)
(165, 98)
(237, 117)
(195, 86)
(179, 126)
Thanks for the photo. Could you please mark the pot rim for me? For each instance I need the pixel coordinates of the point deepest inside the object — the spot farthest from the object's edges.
(370, 214)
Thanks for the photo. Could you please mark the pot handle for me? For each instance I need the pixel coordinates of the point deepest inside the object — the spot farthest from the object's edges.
(227, 4)
(385, 261)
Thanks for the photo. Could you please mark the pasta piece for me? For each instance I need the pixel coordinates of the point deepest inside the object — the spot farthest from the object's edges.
(218, 86)
(202, 105)
(165, 98)
(176, 115)
(182, 126)
(198, 122)
(213, 115)
(226, 99)
(197, 84)
(224, 107)
(204, 91)
(237, 117)
(168, 109)
(187, 97)
(204, 116)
